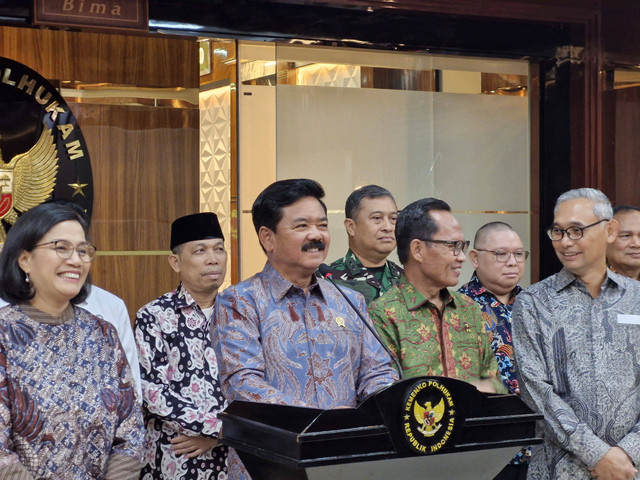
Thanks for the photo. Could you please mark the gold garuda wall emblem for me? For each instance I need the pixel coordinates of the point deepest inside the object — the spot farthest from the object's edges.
(28, 179)
(43, 154)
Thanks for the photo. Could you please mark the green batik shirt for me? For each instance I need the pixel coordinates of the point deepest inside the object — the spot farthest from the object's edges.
(350, 272)
(452, 344)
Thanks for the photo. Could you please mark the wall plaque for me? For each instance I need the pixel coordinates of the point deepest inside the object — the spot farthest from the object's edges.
(108, 14)
(43, 154)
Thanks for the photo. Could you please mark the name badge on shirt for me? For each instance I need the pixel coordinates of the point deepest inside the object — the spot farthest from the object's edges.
(629, 319)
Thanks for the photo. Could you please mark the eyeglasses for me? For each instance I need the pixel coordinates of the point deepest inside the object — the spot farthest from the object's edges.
(503, 255)
(574, 233)
(456, 245)
(65, 249)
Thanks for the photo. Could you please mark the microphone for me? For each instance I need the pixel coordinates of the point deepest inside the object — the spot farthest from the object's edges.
(325, 271)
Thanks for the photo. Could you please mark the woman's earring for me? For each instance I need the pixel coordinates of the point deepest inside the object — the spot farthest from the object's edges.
(26, 278)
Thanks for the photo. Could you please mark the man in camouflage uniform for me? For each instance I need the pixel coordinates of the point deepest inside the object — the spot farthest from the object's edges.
(371, 214)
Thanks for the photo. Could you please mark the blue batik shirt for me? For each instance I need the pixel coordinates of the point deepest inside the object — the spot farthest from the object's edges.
(498, 326)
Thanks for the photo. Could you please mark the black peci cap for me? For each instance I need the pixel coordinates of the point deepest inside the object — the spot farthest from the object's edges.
(199, 226)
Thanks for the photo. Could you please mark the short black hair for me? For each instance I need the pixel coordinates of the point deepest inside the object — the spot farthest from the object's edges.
(415, 221)
(352, 205)
(625, 208)
(74, 205)
(24, 236)
(267, 208)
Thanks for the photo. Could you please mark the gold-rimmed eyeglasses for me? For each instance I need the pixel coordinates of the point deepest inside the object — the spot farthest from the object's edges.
(65, 249)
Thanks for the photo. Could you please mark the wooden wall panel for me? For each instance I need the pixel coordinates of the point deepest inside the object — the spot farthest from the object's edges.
(135, 279)
(145, 159)
(145, 172)
(151, 61)
(627, 145)
(620, 41)
(145, 163)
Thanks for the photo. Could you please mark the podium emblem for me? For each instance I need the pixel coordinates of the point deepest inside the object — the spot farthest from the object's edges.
(428, 416)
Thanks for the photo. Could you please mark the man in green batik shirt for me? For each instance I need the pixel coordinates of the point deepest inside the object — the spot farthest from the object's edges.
(371, 215)
(431, 330)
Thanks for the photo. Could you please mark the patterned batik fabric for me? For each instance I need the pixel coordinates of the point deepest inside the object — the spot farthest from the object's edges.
(278, 344)
(498, 326)
(350, 272)
(68, 404)
(180, 387)
(426, 342)
(578, 361)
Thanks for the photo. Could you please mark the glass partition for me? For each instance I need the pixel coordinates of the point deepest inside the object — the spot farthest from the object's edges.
(419, 125)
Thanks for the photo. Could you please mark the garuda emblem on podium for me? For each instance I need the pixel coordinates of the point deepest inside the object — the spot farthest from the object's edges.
(28, 179)
(429, 417)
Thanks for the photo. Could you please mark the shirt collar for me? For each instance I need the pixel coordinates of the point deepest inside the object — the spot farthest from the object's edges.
(565, 278)
(477, 288)
(184, 298)
(355, 266)
(414, 299)
(42, 317)
(280, 286)
(614, 271)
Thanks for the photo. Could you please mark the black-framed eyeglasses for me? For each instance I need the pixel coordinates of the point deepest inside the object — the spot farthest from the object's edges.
(65, 249)
(503, 255)
(574, 233)
(456, 246)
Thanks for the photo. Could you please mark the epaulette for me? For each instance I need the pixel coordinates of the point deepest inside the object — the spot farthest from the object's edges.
(352, 266)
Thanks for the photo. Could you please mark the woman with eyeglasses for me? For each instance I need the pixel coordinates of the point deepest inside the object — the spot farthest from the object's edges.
(67, 404)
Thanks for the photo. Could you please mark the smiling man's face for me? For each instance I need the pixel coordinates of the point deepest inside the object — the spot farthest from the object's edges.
(624, 253)
(588, 253)
(301, 240)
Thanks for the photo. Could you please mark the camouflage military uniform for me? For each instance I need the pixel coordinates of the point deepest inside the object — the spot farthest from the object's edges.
(350, 272)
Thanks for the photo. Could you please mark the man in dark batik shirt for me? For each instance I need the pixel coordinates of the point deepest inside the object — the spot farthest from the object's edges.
(371, 215)
(498, 257)
(179, 369)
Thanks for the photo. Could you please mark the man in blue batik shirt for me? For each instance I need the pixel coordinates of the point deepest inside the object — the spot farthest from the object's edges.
(284, 336)
(498, 257)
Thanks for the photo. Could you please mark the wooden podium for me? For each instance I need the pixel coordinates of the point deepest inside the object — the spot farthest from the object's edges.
(419, 428)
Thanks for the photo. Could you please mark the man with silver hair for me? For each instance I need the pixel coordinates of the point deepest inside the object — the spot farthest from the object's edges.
(577, 346)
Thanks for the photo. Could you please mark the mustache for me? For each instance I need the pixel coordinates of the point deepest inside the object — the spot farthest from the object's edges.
(313, 244)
